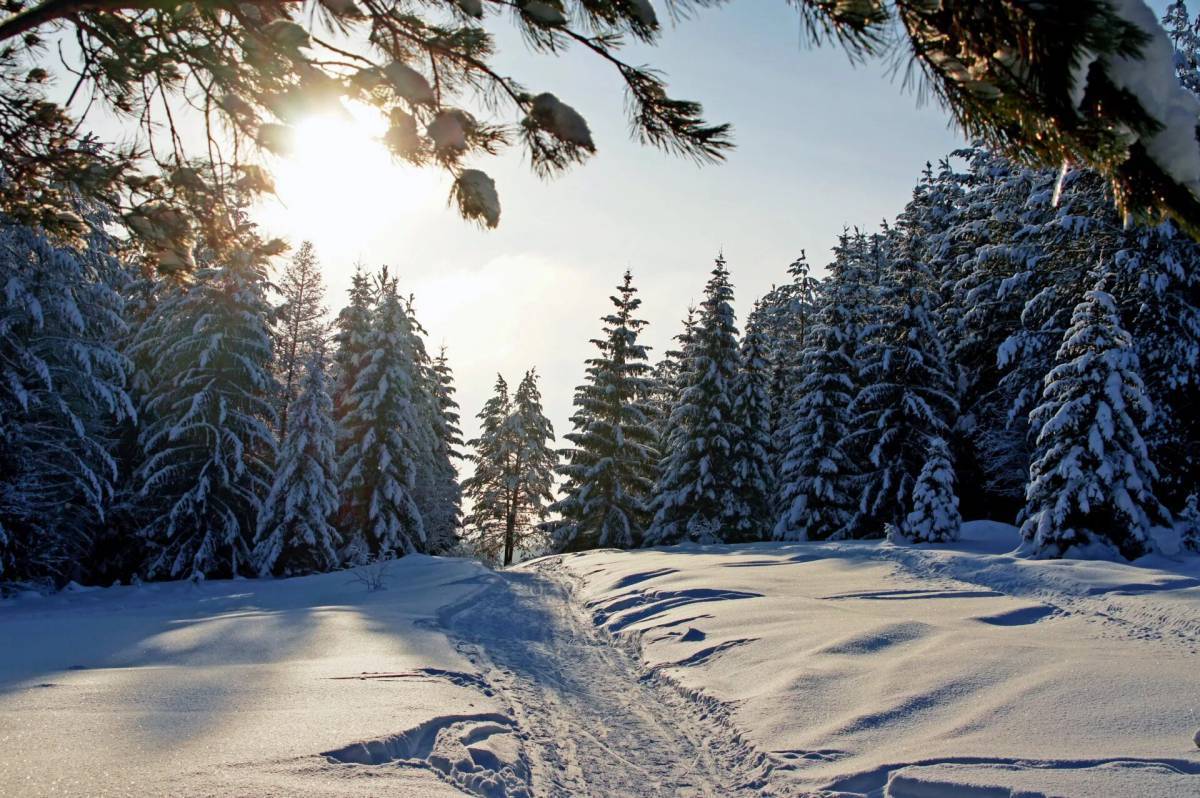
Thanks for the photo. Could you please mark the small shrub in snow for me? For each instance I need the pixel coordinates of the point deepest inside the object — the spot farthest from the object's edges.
(1189, 525)
(372, 576)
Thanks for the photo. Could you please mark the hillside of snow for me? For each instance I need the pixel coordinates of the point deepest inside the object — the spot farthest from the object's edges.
(858, 668)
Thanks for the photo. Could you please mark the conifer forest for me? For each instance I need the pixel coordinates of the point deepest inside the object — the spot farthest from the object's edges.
(298, 498)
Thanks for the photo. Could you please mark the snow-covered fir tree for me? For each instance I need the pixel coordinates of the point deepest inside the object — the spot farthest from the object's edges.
(694, 498)
(380, 442)
(1157, 289)
(295, 528)
(511, 489)
(818, 493)
(1188, 524)
(299, 326)
(440, 497)
(753, 449)
(62, 394)
(208, 421)
(486, 490)
(1091, 484)
(351, 328)
(537, 462)
(905, 400)
(670, 375)
(1184, 33)
(983, 302)
(934, 517)
(611, 465)
(784, 316)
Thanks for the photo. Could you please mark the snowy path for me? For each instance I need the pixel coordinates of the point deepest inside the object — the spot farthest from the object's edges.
(591, 721)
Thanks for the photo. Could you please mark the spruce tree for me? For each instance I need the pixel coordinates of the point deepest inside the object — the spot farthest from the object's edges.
(753, 449)
(1184, 33)
(511, 489)
(934, 517)
(694, 497)
(1092, 482)
(299, 325)
(295, 529)
(670, 376)
(208, 422)
(439, 495)
(381, 438)
(487, 489)
(818, 494)
(532, 489)
(1157, 290)
(905, 402)
(352, 326)
(63, 393)
(435, 487)
(610, 468)
(784, 316)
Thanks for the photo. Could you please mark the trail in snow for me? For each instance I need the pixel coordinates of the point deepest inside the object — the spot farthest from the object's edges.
(591, 720)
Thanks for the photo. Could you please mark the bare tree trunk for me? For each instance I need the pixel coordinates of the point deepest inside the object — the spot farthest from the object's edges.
(510, 534)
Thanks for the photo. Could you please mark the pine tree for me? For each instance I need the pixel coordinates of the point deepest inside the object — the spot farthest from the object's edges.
(611, 466)
(818, 493)
(753, 450)
(295, 531)
(381, 436)
(299, 325)
(207, 422)
(694, 497)
(63, 391)
(905, 401)
(934, 517)
(1091, 482)
(512, 486)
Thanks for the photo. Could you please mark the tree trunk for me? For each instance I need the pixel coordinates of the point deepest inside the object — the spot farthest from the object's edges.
(510, 534)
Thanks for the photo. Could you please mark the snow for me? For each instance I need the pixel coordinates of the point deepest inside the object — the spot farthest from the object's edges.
(409, 83)
(561, 120)
(861, 668)
(1152, 79)
(478, 197)
(232, 687)
(866, 668)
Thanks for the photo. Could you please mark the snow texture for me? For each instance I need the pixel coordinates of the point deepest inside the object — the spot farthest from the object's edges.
(860, 668)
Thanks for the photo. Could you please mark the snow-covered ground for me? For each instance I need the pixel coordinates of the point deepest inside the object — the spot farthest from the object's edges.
(772, 669)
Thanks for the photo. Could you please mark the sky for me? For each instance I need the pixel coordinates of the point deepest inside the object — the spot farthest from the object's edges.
(820, 144)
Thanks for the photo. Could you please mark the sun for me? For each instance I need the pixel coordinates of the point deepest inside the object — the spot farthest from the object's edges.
(339, 181)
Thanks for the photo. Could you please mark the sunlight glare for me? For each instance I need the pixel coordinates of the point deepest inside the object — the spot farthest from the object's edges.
(340, 180)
